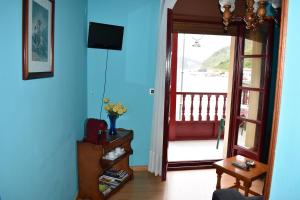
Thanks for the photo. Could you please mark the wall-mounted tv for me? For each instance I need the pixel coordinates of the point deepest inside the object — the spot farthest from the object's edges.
(105, 36)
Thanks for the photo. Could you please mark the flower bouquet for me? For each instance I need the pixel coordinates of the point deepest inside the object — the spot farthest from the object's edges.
(114, 110)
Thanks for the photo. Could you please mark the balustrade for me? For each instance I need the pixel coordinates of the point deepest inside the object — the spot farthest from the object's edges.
(198, 106)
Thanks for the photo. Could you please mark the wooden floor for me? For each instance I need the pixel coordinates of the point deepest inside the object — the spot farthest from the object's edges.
(180, 185)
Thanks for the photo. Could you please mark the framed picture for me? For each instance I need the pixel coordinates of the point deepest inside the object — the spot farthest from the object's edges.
(38, 39)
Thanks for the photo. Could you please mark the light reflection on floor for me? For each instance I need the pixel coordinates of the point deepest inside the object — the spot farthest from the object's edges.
(194, 150)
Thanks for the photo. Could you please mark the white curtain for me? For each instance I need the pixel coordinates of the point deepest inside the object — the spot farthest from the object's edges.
(155, 155)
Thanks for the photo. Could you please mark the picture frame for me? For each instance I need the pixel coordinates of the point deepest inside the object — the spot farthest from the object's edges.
(38, 39)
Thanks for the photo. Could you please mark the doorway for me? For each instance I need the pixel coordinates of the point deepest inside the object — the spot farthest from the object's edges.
(278, 76)
(201, 81)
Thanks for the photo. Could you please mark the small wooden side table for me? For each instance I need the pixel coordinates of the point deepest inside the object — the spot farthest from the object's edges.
(225, 166)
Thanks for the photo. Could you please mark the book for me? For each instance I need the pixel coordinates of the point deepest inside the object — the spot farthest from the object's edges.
(109, 181)
(118, 174)
(104, 188)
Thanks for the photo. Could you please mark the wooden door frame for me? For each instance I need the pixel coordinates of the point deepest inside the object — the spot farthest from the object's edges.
(278, 94)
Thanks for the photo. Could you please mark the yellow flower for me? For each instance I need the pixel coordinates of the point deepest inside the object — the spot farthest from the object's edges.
(105, 100)
(110, 104)
(106, 108)
(119, 104)
(115, 109)
(111, 108)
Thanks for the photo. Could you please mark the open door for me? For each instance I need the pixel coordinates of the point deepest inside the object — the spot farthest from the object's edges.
(251, 91)
(167, 95)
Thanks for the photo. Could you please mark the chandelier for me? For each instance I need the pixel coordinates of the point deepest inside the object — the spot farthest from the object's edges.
(255, 12)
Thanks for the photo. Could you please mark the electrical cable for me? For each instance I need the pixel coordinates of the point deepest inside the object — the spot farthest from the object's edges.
(104, 84)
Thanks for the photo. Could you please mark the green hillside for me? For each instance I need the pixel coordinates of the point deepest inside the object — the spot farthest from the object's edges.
(220, 59)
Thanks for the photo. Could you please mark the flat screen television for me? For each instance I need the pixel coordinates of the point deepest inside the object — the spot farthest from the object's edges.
(105, 36)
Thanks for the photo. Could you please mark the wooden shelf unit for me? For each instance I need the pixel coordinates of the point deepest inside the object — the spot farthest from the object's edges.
(91, 165)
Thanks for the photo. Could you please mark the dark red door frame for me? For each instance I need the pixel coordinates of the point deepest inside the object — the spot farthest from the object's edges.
(191, 165)
(238, 49)
(173, 87)
(168, 105)
(233, 148)
(167, 96)
(278, 94)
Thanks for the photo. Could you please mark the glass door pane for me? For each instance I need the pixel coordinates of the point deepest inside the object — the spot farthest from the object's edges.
(248, 134)
(248, 122)
(255, 41)
(253, 72)
(251, 105)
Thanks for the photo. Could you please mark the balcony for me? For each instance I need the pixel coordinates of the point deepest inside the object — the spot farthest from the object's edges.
(197, 115)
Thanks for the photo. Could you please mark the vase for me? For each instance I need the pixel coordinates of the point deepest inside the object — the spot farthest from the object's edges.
(112, 124)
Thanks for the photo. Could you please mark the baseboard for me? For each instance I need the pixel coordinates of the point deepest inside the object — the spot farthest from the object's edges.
(139, 168)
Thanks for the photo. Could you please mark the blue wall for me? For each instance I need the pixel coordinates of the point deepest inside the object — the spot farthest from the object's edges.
(131, 72)
(41, 119)
(285, 184)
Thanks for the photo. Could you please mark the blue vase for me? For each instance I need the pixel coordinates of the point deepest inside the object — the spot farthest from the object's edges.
(112, 124)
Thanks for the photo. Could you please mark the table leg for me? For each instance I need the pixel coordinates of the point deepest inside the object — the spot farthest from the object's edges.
(219, 175)
(263, 190)
(247, 186)
(237, 183)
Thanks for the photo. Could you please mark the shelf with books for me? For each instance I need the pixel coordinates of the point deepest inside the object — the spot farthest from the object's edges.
(110, 183)
(113, 191)
(92, 165)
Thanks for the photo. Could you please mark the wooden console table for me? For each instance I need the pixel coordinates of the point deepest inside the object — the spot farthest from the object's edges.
(91, 164)
(225, 166)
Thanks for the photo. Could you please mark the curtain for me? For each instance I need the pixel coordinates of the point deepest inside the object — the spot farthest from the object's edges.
(155, 154)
